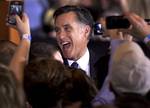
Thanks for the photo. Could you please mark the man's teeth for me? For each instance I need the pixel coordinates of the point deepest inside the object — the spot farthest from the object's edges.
(65, 43)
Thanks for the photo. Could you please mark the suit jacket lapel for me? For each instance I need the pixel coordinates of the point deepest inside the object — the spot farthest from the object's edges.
(93, 60)
(98, 66)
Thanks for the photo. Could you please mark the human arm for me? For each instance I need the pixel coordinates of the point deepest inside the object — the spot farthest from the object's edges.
(139, 26)
(20, 57)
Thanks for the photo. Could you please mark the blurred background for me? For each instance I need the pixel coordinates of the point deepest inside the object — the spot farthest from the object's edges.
(40, 13)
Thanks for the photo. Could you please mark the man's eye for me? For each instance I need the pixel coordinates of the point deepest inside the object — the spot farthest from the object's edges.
(67, 29)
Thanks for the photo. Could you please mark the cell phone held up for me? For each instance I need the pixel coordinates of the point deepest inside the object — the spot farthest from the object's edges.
(15, 8)
(117, 22)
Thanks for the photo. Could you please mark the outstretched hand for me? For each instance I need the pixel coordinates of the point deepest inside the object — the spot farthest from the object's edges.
(22, 25)
(138, 25)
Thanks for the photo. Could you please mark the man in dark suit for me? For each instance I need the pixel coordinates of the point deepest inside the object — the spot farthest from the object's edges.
(74, 26)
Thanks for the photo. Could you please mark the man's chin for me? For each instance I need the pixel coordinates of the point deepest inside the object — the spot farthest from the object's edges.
(68, 57)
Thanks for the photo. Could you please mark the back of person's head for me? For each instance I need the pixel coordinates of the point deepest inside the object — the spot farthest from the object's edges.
(7, 49)
(82, 89)
(130, 70)
(11, 95)
(45, 82)
(82, 14)
(45, 48)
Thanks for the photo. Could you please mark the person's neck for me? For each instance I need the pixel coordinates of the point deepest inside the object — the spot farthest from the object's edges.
(80, 55)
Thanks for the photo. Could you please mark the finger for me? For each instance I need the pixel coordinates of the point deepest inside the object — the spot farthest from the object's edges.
(135, 19)
(127, 37)
(120, 35)
(25, 17)
(138, 18)
(10, 25)
(132, 18)
(18, 20)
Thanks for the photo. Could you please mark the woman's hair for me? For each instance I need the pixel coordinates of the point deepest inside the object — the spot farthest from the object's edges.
(11, 94)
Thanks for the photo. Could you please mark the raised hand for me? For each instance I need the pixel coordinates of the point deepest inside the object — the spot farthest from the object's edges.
(138, 25)
(22, 25)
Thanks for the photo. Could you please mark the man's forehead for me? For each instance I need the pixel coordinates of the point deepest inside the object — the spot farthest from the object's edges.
(68, 16)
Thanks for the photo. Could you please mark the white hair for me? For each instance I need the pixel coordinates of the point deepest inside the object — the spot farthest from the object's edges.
(130, 69)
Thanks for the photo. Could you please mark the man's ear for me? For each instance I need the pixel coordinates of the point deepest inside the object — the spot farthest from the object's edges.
(87, 30)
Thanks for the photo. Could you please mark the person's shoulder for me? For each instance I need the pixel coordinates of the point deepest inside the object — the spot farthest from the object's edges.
(102, 44)
(99, 47)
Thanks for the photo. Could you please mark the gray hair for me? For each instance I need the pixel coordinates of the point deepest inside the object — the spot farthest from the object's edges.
(131, 72)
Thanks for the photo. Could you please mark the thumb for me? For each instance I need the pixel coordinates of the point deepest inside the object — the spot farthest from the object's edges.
(25, 17)
(18, 20)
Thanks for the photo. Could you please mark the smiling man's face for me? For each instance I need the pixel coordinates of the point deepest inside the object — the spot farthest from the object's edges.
(71, 35)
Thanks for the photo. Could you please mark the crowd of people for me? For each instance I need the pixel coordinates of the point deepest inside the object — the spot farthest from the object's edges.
(71, 67)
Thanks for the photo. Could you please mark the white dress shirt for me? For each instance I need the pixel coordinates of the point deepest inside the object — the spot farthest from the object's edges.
(83, 62)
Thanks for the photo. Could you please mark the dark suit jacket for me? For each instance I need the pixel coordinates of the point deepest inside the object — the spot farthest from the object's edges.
(99, 58)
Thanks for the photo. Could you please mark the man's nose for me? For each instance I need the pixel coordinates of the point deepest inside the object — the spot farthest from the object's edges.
(62, 35)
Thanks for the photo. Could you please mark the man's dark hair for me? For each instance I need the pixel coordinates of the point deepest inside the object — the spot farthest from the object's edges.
(7, 50)
(43, 48)
(83, 15)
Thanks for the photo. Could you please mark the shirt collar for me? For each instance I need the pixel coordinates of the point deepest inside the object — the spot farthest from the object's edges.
(83, 61)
